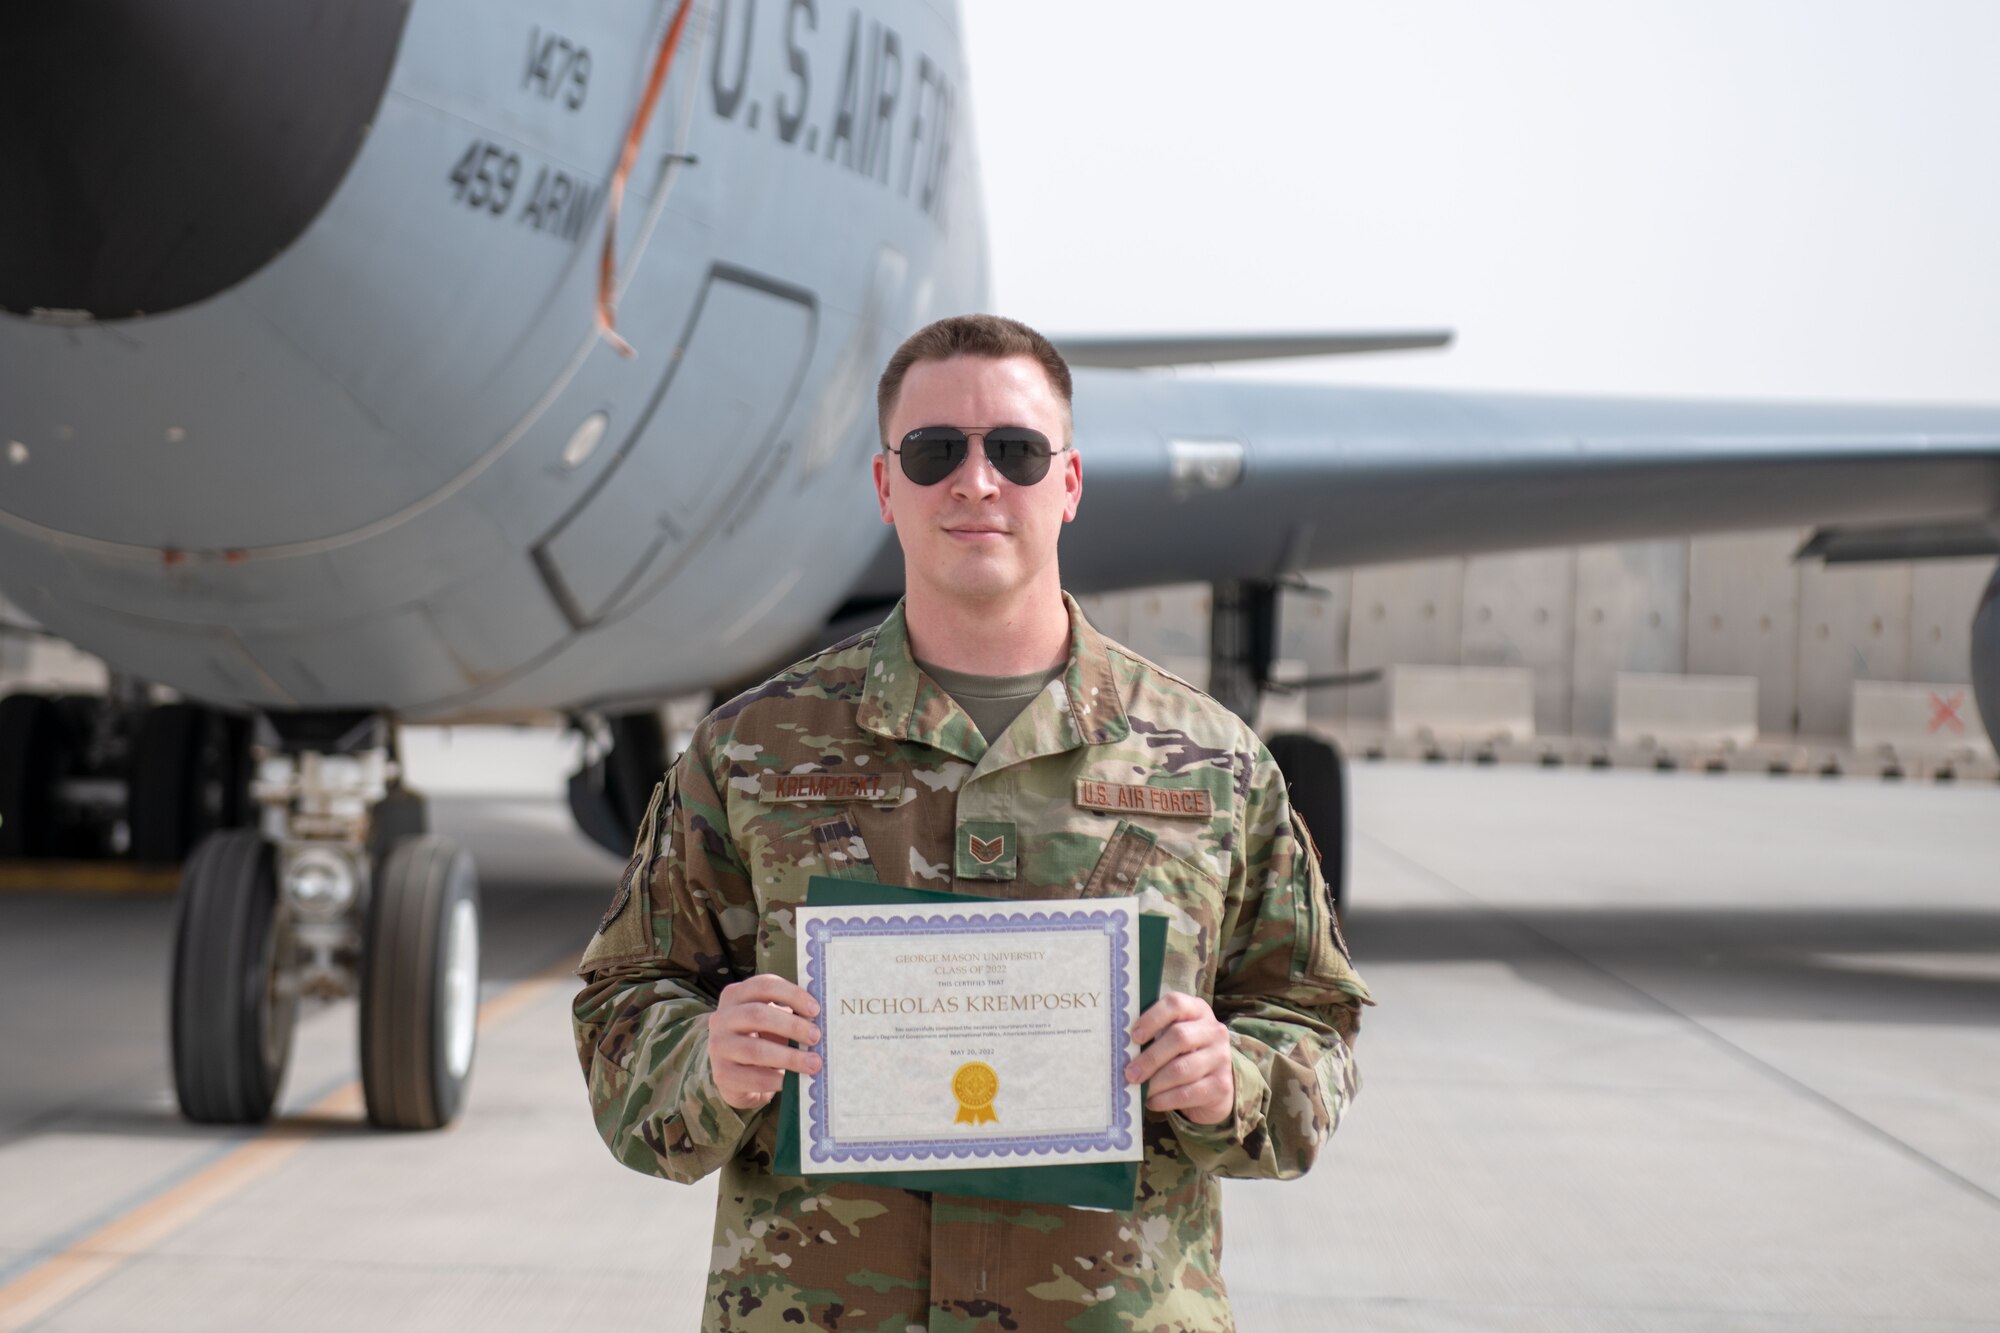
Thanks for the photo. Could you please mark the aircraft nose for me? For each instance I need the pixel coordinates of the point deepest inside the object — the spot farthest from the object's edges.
(156, 154)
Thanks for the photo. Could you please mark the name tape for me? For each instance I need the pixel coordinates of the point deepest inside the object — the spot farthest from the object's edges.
(876, 788)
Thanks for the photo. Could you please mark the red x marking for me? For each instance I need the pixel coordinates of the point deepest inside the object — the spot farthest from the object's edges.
(1945, 712)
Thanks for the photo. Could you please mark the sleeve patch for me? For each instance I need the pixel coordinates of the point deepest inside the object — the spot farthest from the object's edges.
(1326, 957)
(625, 932)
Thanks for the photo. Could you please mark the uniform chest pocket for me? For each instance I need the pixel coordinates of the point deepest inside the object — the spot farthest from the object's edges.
(842, 848)
(782, 860)
(1134, 863)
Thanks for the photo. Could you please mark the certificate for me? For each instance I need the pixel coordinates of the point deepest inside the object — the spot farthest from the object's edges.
(970, 1035)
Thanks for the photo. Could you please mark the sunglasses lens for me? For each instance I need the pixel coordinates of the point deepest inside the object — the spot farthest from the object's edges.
(931, 452)
(1019, 454)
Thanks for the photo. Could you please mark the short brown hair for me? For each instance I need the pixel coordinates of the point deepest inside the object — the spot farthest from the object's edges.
(993, 336)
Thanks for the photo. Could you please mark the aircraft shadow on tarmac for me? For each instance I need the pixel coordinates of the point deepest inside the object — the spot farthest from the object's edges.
(164, 1122)
(1887, 965)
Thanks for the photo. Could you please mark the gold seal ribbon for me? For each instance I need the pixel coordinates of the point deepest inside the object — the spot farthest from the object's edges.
(975, 1085)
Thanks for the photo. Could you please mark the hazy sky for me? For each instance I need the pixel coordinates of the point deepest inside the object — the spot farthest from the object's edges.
(1749, 198)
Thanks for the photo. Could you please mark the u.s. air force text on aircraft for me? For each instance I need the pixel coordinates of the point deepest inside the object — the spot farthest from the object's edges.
(863, 131)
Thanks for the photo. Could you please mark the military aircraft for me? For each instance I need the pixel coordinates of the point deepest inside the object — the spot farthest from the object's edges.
(385, 360)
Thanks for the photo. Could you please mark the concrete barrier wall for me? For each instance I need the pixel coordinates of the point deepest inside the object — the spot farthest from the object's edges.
(1685, 710)
(33, 661)
(1918, 720)
(1462, 703)
(48, 666)
(1578, 617)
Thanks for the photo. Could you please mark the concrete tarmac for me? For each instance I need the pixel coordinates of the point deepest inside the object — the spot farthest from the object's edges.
(1654, 1051)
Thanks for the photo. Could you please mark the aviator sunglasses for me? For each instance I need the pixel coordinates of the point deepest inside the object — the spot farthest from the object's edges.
(932, 453)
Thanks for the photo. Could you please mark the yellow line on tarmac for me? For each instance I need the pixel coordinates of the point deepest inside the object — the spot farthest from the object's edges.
(104, 1251)
(87, 877)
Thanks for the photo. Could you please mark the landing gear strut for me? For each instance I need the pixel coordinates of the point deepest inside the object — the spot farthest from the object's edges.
(1243, 640)
(340, 893)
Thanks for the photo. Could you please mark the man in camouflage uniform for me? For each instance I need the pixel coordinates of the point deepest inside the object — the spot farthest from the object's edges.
(1112, 777)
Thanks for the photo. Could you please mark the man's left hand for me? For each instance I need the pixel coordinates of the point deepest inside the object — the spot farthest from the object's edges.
(1184, 1050)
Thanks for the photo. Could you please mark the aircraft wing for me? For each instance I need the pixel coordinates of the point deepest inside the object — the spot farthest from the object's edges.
(1127, 351)
(1204, 479)
(1198, 480)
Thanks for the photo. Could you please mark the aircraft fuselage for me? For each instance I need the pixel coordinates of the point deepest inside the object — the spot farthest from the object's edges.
(397, 467)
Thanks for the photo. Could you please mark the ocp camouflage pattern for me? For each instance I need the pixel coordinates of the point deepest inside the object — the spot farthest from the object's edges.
(724, 856)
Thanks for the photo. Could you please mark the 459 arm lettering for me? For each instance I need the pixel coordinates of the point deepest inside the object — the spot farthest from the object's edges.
(557, 204)
(485, 177)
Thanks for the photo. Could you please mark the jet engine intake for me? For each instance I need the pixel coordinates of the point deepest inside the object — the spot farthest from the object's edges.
(157, 154)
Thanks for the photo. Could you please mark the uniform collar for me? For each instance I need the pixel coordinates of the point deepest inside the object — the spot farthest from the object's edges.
(900, 702)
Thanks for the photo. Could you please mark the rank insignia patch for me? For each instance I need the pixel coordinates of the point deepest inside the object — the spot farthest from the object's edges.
(987, 849)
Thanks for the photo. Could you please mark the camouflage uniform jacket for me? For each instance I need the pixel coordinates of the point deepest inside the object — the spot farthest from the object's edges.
(725, 854)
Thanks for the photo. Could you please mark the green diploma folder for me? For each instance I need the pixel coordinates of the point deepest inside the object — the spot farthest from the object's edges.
(1112, 1185)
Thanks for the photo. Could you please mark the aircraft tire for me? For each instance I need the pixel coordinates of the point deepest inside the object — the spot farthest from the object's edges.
(420, 985)
(1317, 776)
(638, 759)
(190, 775)
(609, 798)
(232, 1012)
(30, 765)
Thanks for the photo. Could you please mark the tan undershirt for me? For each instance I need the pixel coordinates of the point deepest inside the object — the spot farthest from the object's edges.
(992, 702)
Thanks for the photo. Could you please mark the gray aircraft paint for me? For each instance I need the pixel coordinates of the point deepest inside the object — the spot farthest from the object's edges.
(341, 481)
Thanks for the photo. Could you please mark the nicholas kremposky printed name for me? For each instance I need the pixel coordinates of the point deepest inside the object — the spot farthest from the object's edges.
(972, 1004)
(972, 961)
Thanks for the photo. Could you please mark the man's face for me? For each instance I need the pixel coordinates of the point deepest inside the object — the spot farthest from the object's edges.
(975, 535)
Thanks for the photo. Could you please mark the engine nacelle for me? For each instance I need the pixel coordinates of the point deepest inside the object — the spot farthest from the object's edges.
(1986, 657)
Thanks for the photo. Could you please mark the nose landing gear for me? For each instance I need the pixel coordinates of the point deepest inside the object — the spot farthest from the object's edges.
(420, 985)
(235, 993)
(341, 893)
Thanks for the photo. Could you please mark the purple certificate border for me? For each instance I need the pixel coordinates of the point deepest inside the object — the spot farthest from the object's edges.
(1114, 923)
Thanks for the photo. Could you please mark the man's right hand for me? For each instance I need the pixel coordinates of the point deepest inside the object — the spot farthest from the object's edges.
(747, 1036)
